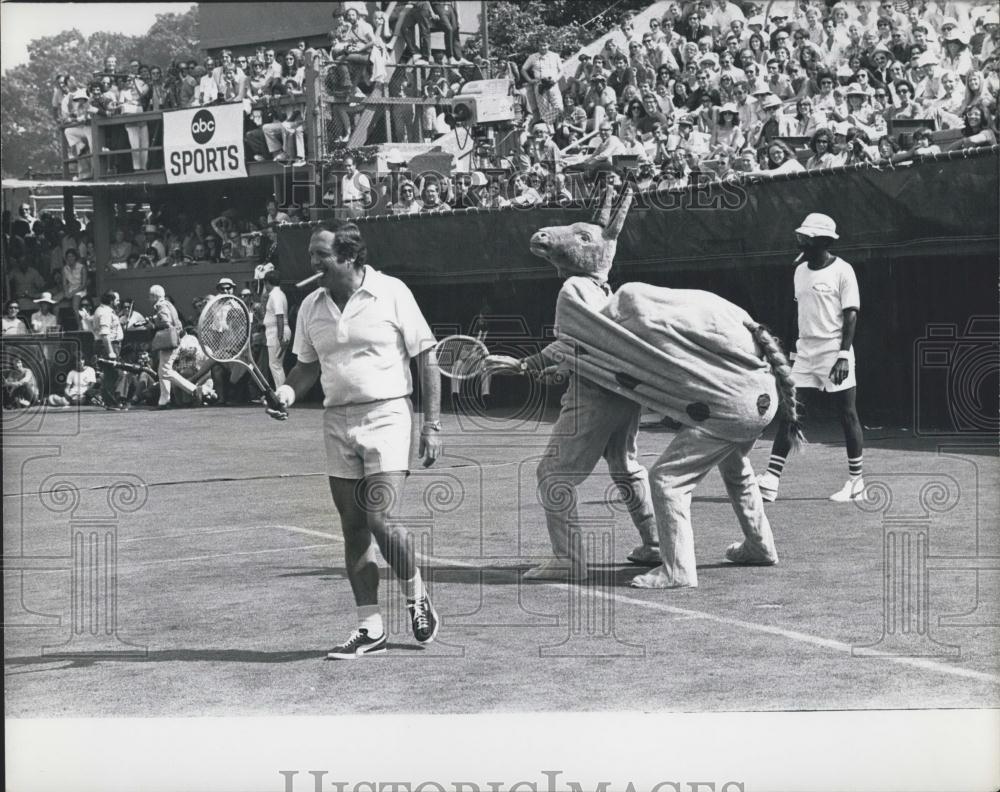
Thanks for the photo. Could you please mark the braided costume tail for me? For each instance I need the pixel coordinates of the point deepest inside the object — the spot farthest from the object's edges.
(782, 371)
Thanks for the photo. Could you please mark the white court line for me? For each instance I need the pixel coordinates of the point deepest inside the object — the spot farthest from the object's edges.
(687, 613)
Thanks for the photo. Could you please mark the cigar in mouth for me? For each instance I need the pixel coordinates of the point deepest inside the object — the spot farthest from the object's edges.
(312, 279)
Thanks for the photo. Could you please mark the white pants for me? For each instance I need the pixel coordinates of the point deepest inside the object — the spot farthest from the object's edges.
(75, 137)
(138, 138)
(276, 361)
(593, 423)
(285, 137)
(673, 477)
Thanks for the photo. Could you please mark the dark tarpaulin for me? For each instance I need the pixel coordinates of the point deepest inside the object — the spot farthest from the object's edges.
(229, 25)
(948, 205)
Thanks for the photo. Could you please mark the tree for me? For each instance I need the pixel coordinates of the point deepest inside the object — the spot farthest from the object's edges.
(28, 133)
(568, 24)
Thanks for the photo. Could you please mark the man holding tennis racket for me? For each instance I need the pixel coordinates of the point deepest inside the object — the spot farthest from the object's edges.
(357, 334)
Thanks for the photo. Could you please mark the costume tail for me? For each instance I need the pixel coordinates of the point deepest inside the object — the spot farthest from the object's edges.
(782, 371)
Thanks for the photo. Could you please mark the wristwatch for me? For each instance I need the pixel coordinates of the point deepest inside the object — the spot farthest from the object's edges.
(431, 426)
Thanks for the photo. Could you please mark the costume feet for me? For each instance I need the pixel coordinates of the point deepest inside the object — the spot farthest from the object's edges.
(658, 579)
(645, 555)
(556, 569)
(749, 555)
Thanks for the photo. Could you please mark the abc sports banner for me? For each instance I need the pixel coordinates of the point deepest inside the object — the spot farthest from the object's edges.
(203, 144)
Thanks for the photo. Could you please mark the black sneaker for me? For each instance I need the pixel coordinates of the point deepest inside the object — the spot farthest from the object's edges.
(357, 645)
(424, 619)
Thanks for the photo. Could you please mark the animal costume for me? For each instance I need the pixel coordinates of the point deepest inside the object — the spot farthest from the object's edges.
(706, 365)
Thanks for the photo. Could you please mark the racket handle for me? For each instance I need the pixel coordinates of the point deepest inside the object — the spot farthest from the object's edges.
(273, 401)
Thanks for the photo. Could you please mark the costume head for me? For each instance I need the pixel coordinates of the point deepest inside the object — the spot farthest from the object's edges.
(585, 248)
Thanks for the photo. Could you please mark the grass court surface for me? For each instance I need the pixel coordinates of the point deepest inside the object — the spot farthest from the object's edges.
(231, 586)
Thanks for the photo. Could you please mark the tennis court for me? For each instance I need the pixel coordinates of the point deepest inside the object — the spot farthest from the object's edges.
(231, 586)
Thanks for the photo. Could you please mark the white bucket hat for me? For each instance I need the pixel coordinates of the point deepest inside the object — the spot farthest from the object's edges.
(46, 298)
(818, 225)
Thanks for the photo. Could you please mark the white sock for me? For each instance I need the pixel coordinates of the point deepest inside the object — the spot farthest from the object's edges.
(414, 587)
(370, 619)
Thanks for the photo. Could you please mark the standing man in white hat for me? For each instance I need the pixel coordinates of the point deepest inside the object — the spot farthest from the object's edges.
(828, 298)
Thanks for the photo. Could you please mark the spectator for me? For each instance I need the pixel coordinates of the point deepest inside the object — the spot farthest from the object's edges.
(74, 279)
(727, 138)
(601, 159)
(355, 189)
(464, 197)
(781, 159)
(494, 196)
(277, 329)
(20, 386)
(432, 198)
(43, 320)
(166, 321)
(108, 335)
(524, 193)
(24, 280)
(13, 325)
(208, 89)
(81, 383)
(132, 98)
(408, 203)
(823, 154)
(906, 106)
(541, 71)
(976, 131)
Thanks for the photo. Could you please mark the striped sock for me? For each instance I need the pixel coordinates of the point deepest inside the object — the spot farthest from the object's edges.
(854, 466)
(370, 619)
(776, 465)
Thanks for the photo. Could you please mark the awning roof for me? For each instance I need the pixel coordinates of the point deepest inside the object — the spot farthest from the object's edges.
(38, 184)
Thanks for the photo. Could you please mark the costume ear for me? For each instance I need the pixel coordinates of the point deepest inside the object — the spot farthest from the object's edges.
(604, 215)
(614, 227)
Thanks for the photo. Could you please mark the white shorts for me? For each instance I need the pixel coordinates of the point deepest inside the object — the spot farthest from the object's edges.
(811, 369)
(364, 439)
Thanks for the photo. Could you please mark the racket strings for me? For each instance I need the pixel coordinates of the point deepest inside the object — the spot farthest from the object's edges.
(461, 357)
(223, 330)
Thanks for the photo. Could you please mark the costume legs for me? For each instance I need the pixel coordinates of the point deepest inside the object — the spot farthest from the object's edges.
(686, 461)
(593, 423)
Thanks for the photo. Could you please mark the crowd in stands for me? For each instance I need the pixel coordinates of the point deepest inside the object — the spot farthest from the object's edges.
(717, 88)
(355, 65)
(706, 88)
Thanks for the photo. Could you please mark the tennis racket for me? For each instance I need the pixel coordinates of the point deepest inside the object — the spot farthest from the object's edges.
(462, 357)
(224, 333)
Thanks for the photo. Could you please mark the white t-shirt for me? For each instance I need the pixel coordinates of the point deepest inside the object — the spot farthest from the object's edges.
(41, 323)
(353, 188)
(364, 352)
(822, 296)
(277, 305)
(77, 382)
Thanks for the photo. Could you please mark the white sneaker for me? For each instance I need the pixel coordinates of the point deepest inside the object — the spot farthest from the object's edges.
(556, 569)
(854, 489)
(767, 483)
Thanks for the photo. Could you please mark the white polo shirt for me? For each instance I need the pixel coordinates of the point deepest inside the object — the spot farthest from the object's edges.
(364, 352)
(822, 295)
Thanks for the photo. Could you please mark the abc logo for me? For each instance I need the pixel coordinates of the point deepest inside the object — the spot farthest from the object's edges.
(202, 126)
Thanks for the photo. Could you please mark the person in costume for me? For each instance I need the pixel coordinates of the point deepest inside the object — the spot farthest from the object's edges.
(593, 421)
(692, 356)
